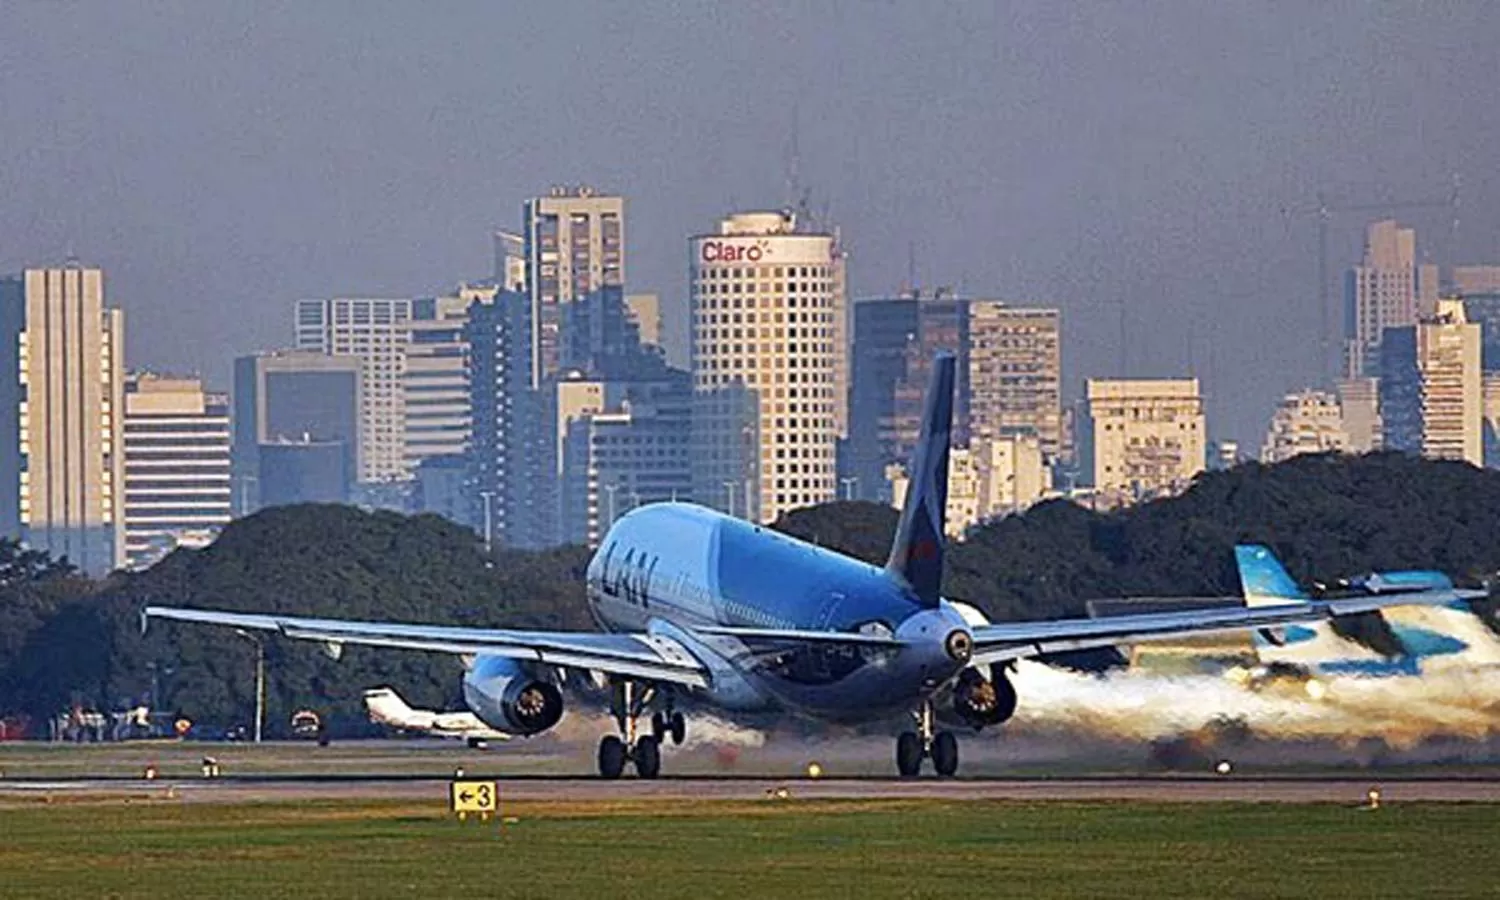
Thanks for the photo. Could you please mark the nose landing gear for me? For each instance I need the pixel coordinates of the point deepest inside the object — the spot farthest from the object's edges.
(913, 747)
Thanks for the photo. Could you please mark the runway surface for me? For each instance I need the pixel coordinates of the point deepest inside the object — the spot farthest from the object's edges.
(1171, 789)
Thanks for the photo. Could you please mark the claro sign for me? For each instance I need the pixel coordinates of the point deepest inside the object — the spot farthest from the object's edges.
(734, 251)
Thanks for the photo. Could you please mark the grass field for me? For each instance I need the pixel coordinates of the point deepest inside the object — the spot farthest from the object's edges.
(785, 849)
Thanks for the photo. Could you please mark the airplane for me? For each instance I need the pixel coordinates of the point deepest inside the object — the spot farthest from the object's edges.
(695, 602)
(1440, 631)
(386, 707)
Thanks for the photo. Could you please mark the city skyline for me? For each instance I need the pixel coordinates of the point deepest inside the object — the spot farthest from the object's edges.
(1080, 158)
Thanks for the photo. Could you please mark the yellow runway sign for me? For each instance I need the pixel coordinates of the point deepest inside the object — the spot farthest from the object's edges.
(481, 797)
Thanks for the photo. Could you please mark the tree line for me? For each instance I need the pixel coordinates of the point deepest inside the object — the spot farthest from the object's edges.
(67, 640)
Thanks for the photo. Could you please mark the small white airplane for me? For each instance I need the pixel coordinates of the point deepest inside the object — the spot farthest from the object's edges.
(386, 707)
(694, 602)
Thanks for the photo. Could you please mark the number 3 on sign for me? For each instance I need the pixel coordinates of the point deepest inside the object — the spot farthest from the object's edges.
(466, 797)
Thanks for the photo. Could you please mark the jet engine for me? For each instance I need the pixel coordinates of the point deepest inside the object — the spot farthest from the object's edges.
(979, 701)
(512, 696)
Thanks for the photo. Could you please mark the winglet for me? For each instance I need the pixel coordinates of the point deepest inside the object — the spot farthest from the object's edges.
(1263, 578)
(917, 552)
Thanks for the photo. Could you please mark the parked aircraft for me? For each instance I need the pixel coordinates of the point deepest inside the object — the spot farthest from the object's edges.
(1440, 630)
(386, 707)
(694, 601)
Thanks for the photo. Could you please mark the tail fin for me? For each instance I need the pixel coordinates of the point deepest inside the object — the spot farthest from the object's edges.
(917, 552)
(1263, 578)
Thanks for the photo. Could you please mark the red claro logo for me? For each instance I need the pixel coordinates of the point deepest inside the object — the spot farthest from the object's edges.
(719, 251)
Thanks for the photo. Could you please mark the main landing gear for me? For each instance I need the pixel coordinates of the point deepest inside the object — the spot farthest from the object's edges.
(913, 746)
(628, 703)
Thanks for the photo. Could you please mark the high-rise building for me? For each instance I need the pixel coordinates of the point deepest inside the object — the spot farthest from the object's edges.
(377, 332)
(1015, 373)
(1431, 389)
(1490, 389)
(511, 451)
(645, 313)
(990, 478)
(510, 261)
(436, 383)
(177, 487)
(629, 447)
(289, 399)
(1305, 422)
(1359, 400)
(1389, 290)
(62, 464)
(895, 340)
(1147, 437)
(574, 246)
(1469, 280)
(765, 365)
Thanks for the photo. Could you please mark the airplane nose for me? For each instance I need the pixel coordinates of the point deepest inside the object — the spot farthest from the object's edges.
(960, 645)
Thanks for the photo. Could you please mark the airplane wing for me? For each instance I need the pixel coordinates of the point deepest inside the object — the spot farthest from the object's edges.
(646, 657)
(1019, 640)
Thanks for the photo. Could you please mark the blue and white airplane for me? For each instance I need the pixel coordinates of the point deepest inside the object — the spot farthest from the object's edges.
(693, 602)
(1440, 631)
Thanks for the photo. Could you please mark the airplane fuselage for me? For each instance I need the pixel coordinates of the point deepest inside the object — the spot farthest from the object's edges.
(674, 568)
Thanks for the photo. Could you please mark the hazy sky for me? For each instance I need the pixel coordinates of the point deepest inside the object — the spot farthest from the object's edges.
(222, 160)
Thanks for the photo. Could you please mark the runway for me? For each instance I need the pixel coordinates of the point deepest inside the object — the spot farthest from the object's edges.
(1167, 789)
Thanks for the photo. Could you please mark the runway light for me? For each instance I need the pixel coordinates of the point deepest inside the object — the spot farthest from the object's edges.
(1373, 795)
(458, 772)
(814, 770)
(1223, 768)
(150, 773)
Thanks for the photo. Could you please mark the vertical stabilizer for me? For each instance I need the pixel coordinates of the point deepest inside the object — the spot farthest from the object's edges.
(1263, 578)
(917, 553)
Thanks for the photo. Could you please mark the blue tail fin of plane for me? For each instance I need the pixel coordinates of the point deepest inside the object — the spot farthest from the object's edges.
(1263, 578)
(917, 552)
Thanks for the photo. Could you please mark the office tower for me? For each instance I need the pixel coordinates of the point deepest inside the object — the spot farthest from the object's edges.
(764, 366)
(511, 454)
(1389, 290)
(1431, 389)
(574, 246)
(623, 445)
(894, 342)
(62, 467)
(377, 332)
(1147, 437)
(297, 408)
(177, 487)
(1359, 401)
(1305, 422)
(436, 383)
(990, 478)
(1015, 373)
(510, 261)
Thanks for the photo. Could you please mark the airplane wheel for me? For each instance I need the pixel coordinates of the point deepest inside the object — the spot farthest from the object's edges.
(945, 753)
(908, 754)
(677, 725)
(658, 726)
(611, 757)
(648, 757)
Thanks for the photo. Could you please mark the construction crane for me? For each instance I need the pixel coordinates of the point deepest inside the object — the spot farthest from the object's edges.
(1325, 209)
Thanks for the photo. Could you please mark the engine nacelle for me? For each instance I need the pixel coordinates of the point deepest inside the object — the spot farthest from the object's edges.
(979, 701)
(512, 696)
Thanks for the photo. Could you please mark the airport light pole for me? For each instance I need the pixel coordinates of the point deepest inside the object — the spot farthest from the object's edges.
(729, 487)
(849, 484)
(611, 489)
(260, 679)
